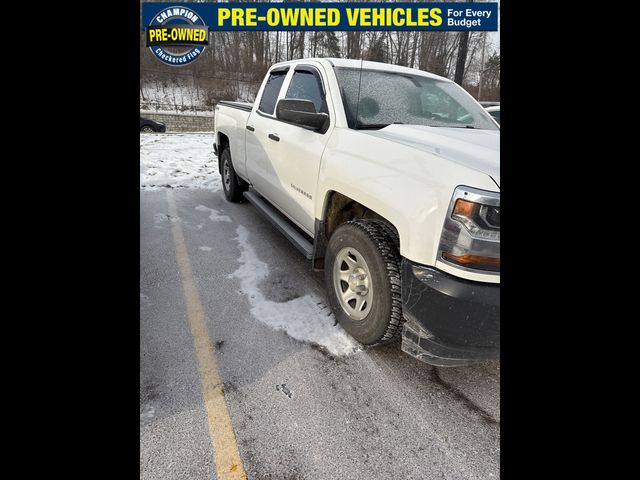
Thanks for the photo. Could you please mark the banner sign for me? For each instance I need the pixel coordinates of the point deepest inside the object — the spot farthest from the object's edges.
(314, 16)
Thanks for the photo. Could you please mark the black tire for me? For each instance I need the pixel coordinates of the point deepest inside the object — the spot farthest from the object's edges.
(147, 129)
(232, 185)
(375, 243)
(389, 230)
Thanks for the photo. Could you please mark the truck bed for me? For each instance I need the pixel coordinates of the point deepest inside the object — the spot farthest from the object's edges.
(246, 106)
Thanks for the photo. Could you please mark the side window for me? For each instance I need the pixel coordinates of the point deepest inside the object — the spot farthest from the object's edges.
(306, 86)
(271, 91)
(496, 115)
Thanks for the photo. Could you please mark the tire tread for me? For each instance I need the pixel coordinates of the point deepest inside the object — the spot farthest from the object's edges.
(386, 241)
(237, 184)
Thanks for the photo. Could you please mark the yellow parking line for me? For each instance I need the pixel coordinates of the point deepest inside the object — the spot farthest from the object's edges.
(225, 449)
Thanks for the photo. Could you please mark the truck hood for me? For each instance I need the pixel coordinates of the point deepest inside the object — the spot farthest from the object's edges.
(473, 148)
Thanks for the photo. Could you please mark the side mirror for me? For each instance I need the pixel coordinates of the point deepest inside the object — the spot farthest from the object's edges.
(300, 112)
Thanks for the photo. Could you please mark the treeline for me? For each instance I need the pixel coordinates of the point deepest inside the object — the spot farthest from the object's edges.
(234, 63)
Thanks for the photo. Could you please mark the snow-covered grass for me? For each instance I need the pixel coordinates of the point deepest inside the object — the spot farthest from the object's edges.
(181, 95)
(178, 160)
(303, 318)
(186, 113)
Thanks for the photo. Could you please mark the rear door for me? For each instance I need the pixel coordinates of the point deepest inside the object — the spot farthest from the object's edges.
(258, 125)
(295, 152)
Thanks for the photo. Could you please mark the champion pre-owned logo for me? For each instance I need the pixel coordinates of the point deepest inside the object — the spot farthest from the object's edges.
(177, 27)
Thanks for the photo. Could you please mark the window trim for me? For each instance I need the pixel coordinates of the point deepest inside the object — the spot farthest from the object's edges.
(284, 68)
(315, 71)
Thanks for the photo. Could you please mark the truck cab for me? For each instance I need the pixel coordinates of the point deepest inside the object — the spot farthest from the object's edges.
(388, 179)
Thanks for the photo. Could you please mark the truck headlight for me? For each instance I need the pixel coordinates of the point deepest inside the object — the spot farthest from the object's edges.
(471, 233)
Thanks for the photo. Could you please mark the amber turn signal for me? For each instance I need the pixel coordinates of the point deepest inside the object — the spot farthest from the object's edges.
(465, 208)
(476, 261)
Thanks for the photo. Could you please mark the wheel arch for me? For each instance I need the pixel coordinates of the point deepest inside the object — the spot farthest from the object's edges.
(337, 209)
(368, 240)
(223, 143)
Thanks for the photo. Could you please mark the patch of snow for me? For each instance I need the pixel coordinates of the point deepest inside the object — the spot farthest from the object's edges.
(302, 318)
(164, 217)
(160, 218)
(147, 413)
(204, 248)
(178, 161)
(214, 215)
(144, 301)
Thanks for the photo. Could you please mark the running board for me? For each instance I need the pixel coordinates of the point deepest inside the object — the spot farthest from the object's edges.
(282, 224)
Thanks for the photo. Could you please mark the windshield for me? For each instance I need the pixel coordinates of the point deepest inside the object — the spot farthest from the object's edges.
(390, 97)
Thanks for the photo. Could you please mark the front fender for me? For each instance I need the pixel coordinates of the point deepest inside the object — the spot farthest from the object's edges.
(409, 188)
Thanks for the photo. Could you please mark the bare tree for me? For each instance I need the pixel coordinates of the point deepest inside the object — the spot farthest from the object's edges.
(462, 55)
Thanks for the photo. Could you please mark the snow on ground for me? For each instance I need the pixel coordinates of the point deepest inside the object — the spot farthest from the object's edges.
(303, 318)
(181, 95)
(186, 113)
(214, 215)
(187, 161)
(178, 160)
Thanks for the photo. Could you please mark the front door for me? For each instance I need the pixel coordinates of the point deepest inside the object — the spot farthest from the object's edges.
(295, 152)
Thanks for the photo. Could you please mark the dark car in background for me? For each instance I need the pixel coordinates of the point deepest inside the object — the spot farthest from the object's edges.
(149, 126)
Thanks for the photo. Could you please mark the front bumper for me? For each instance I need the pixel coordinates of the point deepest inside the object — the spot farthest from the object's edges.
(448, 321)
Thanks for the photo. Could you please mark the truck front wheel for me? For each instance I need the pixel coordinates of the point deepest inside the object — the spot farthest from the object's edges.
(362, 277)
(232, 185)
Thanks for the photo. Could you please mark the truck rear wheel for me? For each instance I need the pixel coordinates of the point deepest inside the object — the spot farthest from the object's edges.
(232, 185)
(362, 277)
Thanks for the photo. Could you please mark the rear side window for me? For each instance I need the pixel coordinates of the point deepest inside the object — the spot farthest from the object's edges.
(306, 86)
(271, 91)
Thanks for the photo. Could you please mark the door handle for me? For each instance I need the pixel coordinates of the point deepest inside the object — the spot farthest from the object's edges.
(275, 137)
(250, 128)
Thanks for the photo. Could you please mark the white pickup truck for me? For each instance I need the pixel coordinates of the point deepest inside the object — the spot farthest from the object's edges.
(388, 179)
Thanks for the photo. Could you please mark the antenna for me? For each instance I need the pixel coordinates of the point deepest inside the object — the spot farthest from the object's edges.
(359, 84)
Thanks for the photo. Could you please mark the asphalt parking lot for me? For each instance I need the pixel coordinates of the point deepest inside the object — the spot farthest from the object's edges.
(296, 409)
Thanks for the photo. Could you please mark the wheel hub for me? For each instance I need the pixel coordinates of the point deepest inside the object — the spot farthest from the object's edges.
(359, 281)
(225, 174)
(352, 282)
